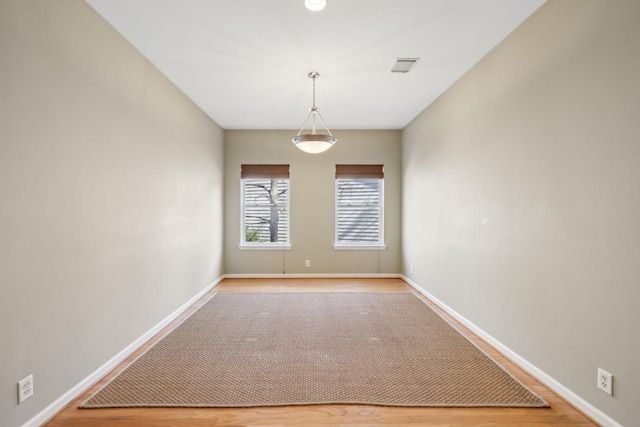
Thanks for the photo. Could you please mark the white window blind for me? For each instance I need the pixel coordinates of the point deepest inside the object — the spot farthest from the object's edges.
(359, 205)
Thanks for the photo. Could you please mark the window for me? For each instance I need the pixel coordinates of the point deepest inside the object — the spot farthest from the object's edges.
(265, 206)
(359, 207)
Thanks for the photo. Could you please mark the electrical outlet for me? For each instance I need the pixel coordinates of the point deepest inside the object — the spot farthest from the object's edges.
(211, 272)
(307, 263)
(605, 381)
(412, 269)
(25, 389)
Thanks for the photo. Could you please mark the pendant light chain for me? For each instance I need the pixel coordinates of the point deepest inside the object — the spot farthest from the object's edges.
(314, 91)
(314, 110)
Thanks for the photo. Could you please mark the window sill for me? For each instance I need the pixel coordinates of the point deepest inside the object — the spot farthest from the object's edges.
(343, 247)
(265, 247)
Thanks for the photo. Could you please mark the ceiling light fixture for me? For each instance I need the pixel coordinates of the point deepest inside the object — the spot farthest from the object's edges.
(315, 5)
(314, 142)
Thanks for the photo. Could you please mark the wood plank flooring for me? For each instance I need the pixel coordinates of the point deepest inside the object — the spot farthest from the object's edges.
(561, 414)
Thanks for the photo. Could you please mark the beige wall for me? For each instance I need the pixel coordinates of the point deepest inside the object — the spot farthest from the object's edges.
(312, 202)
(521, 206)
(518, 198)
(110, 198)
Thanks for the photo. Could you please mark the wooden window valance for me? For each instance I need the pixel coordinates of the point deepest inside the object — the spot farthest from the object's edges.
(359, 171)
(265, 171)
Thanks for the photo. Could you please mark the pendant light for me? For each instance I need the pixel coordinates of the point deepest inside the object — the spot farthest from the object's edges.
(314, 142)
(315, 5)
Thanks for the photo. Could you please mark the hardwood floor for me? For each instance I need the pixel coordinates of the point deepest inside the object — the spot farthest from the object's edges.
(560, 413)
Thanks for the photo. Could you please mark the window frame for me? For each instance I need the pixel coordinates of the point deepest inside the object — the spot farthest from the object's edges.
(360, 172)
(264, 172)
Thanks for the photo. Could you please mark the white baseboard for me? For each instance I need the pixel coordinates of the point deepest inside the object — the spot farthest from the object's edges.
(316, 276)
(51, 410)
(581, 404)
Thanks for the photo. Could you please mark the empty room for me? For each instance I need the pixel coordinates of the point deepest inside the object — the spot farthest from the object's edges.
(319, 212)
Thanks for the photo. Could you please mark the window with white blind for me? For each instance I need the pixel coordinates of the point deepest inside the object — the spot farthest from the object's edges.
(359, 207)
(265, 207)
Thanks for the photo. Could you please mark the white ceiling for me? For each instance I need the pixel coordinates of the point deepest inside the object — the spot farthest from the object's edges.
(245, 62)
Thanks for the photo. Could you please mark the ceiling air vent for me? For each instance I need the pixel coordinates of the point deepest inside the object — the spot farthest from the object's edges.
(403, 65)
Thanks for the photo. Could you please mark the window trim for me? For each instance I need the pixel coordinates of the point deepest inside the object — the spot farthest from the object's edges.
(358, 247)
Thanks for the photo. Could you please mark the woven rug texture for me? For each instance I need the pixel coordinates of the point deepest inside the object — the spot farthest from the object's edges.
(274, 349)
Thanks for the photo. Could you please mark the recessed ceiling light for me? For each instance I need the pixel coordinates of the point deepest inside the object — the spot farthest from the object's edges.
(403, 65)
(315, 5)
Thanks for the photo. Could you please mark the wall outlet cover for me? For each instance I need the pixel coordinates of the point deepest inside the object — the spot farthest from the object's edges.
(605, 381)
(25, 389)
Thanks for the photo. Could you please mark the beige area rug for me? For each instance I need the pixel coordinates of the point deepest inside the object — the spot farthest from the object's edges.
(274, 349)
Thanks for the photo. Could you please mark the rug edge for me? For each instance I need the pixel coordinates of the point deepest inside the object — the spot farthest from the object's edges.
(348, 403)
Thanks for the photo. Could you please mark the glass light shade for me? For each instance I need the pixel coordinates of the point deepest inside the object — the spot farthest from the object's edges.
(314, 143)
(315, 5)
